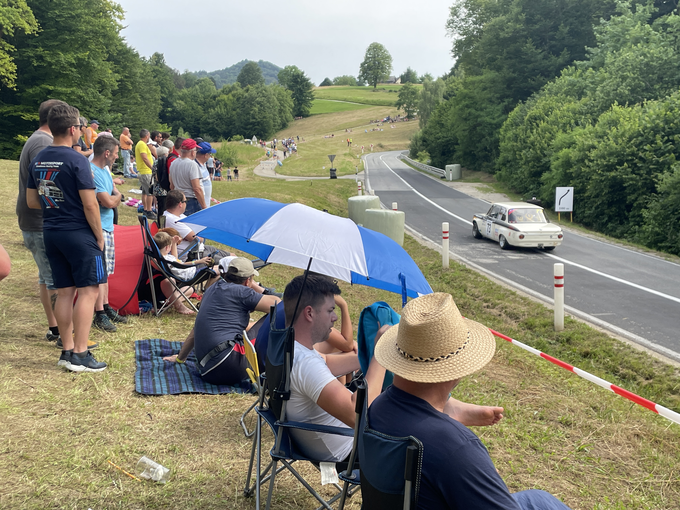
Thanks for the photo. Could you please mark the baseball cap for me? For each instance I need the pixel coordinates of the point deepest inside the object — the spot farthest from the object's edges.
(242, 267)
(94, 122)
(205, 148)
(188, 145)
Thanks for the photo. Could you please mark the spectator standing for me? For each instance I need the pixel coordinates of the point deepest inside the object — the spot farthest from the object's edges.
(185, 176)
(90, 134)
(154, 143)
(236, 173)
(60, 182)
(105, 154)
(211, 167)
(80, 146)
(144, 159)
(228, 174)
(203, 155)
(31, 220)
(126, 150)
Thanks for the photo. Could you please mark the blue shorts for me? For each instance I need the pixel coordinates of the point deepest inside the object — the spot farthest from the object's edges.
(75, 258)
(35, 243)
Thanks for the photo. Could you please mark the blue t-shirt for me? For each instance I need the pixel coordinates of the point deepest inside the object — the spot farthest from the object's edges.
(103, 184)
(59, 173)
(457, 470)
(224, 313)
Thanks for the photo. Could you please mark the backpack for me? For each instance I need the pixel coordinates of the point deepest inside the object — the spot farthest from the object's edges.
(372, 318)
(163, 171)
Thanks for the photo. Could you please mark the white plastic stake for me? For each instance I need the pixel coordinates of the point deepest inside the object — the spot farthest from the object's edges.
(394, 206)
(559, 297)
(359, 188)
(445, 245)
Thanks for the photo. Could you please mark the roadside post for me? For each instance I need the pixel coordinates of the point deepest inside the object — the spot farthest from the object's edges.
(445, 245)
(333, 170)
(359, 188)
(558, 272)
(394, 206)
(564, 201)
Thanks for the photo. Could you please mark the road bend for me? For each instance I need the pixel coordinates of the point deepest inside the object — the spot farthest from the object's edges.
(632, 294)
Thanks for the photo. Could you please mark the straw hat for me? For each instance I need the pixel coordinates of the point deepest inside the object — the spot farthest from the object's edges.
(434, 343)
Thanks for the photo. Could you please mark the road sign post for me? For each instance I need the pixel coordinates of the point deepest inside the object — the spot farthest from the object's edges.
(564, 200)
(333, 170)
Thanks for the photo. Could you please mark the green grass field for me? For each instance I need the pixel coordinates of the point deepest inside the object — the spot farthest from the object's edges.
(333, 106)
(383, 95)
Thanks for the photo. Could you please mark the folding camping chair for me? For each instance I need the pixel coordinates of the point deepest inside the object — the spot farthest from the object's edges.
(154, 260)
(390, 467)
(253, 372)
(272, 410)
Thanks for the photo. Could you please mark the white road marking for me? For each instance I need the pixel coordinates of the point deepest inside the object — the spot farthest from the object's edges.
(565, 261)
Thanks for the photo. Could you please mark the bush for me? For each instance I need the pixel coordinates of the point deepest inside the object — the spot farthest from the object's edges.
(236, 138)
(228, 154)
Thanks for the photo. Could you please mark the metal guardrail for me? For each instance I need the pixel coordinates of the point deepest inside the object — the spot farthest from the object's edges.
(425, 168)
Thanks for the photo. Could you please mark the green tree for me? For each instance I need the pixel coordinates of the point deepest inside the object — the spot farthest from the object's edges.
(407, 100)
(377, 64)
(345, 80)
(15, 15)
(409, 76)
(250, 74)
(326, 83)
(295, 80)
(430, 96)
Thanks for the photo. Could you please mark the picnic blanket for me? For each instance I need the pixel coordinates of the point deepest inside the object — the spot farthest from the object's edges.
(157, 377)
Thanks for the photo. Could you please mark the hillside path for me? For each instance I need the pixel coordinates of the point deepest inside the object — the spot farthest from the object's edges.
(269, 168)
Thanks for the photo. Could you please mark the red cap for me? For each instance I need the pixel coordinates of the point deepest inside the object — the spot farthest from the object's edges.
(188, 145)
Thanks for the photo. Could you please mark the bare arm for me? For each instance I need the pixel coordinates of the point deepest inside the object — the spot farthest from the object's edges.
(198, 191)
(91, 210)
(186, 349)
(342, 340)
(266, 302)
(5, 264)
(147, 161)
(109, 201)
(152, 148)
(32, 198)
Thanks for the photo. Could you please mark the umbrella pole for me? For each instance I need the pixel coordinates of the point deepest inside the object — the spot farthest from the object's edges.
(301, 289)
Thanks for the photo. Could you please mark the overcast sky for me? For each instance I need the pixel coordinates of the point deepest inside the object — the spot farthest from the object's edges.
(324, 39)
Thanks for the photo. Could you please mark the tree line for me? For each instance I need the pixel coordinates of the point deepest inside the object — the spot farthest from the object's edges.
(581, 93)
(72, 50)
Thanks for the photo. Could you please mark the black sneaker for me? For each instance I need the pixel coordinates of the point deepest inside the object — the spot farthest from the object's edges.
(51, 337)
(102, 321)
(90, 344)
(65, 358)
(150, 215)
(85, 364)
(114, 316)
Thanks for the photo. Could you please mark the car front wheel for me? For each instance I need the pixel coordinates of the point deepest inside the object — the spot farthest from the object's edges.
(475, 231)
(503, 242)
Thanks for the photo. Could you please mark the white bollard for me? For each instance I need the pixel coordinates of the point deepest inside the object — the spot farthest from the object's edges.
(359, 188)
(394, 206)
(445, 245)
(559, 297)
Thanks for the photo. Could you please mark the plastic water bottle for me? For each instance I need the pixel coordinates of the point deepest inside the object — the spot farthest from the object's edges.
(150, 470)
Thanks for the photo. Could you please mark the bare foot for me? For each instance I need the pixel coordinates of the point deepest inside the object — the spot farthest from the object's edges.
(472, 414)
(183, 309)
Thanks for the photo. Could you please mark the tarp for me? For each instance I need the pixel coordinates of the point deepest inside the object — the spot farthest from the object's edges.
(129, 248)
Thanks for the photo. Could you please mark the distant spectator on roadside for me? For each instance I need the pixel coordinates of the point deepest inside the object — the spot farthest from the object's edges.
(144, 159)
(236, 173)
(126, 151)
(31, 220)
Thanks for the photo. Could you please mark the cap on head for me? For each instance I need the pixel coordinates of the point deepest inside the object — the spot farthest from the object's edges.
(94, 122)
(188, 145)
(433, 342)
(241, 267)
(205, 148)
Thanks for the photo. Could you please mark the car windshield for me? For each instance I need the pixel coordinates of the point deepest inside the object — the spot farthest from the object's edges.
(526, 216)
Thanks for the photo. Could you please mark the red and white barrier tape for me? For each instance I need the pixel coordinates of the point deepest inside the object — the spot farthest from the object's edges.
(663, 411)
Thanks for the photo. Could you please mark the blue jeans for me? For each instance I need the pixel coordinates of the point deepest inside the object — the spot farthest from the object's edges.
(538, 500)
(35, 242)
(192, 206)
(126, 162)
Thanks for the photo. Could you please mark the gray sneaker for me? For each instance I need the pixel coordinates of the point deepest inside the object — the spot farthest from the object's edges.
(64, 359)
(85, 364)
(102, 321)
(51, 337)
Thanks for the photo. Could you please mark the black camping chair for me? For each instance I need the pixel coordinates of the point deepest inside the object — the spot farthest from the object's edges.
(390, 467)
(272, 411)
(155, 261)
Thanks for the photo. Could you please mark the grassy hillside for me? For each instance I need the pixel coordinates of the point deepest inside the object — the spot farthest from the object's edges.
(383, 95)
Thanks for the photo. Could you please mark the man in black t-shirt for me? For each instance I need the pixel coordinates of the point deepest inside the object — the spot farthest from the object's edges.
(431, 349)
(60, 183)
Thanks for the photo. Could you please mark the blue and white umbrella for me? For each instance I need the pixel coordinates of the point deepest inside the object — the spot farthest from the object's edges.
(294, 234)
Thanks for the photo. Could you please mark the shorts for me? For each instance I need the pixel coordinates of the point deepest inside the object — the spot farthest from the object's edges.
(145, 183)
(229, 370)
(35, 242)
(75, 258)
(109, 252)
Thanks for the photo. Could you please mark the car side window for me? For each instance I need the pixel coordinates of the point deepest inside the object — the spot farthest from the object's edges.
(502, 214)
(493, 212)
(490, 212)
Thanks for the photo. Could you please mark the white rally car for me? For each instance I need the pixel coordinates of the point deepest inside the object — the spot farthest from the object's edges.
(517, 224)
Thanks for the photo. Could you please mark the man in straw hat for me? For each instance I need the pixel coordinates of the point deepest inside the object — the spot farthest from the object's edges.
(316, 394)
(431, 349)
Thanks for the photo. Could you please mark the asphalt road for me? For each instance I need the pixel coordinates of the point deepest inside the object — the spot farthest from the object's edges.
(632, 294)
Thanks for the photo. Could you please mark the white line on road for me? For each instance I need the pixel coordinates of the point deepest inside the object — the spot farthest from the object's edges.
(565, 261)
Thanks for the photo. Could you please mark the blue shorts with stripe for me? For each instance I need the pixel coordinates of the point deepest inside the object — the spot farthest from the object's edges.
(75, 258)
